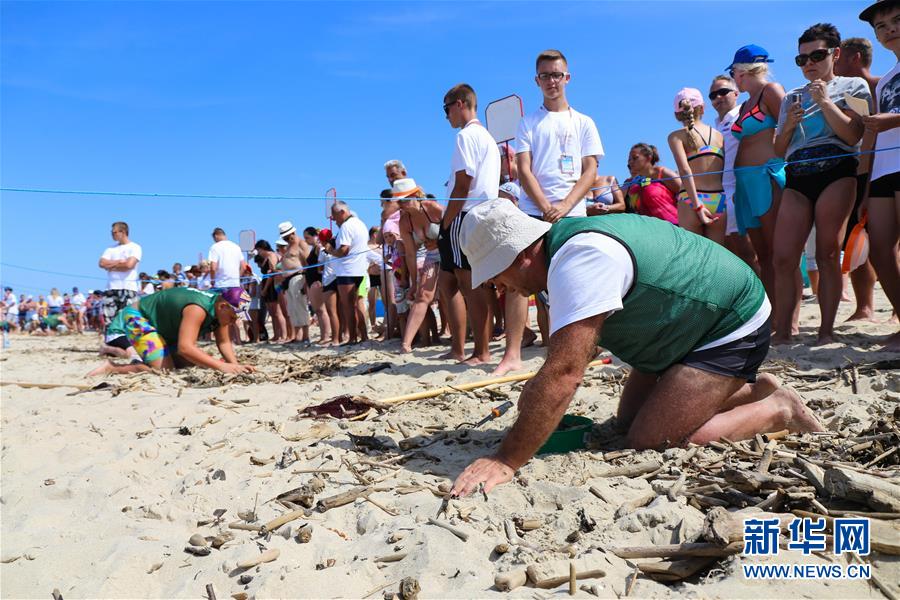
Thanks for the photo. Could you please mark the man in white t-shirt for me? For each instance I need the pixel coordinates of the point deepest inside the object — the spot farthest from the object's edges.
(226, 263)
(474, 178)
(11, 306)
(120, 262)
(351, 247)
(557, 152)
(689, 317)
(78, 301)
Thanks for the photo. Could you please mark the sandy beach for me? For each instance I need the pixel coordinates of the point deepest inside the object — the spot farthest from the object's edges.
(103, 489)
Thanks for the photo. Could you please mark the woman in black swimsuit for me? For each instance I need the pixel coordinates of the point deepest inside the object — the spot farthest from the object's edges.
(266, 259)
(314, 286)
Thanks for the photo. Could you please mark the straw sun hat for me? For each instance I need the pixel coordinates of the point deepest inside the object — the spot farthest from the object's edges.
(493, 234)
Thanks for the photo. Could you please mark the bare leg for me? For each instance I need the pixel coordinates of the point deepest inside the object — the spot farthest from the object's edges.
(884, 231)
(516, 315)
(331, 305)
(347, 300)
(740, 246)
(687, 405)
(479, 310)
(637, 389)
(832, 212)
(543, 319)
(863, 281)
(429, 276)
(794, 224)
(455, 308)
(814, 280)
(316, 296)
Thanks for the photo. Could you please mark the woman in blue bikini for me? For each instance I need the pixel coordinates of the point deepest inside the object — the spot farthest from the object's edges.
(759, 171)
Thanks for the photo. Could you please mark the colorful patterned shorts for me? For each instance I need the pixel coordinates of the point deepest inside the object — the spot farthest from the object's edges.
(149, 345)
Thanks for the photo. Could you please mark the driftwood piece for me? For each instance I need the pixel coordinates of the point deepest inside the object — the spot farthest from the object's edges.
(343, 498)
(879, 494)
(766, 459)
(510, 580)
(285, 518)
(722, 527)
(455, 531)
(631, 470)
(675, 570)
(813, 474)
(677, 550)
(633, 505)
(553, 573)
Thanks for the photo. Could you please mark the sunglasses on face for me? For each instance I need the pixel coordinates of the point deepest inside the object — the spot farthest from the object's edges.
(816, 56)
(554, 76)
(720, 93)
(447, 107)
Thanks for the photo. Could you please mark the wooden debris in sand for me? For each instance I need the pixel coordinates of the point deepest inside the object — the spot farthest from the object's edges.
(547, 575)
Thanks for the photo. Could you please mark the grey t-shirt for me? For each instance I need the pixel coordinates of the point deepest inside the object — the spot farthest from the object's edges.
(814, 130)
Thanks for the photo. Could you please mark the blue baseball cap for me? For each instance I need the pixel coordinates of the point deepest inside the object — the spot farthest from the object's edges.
(750, 53)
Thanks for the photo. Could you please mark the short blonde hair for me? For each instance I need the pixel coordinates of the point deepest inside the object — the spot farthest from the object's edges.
(759, 69)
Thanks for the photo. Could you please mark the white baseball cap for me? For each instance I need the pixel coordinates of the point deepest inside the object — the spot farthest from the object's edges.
(493, 234)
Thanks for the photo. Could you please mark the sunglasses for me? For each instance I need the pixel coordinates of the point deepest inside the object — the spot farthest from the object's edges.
(816, 56)
(447, 107)
(554, 76)
(720, 93)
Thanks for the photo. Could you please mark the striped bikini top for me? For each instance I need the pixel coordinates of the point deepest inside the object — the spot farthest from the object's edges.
(708, 149)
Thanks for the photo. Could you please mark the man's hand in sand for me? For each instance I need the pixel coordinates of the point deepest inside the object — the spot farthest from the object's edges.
(490, 471)
(236, 369)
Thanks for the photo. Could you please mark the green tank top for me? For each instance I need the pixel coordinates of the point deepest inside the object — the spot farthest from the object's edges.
(675, 303)
(163, 309)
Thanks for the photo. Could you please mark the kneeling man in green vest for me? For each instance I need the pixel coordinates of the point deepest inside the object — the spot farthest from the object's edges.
(162, 330)
(689, 317)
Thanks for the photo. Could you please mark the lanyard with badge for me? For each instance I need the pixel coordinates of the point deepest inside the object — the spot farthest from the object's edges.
(566, 160)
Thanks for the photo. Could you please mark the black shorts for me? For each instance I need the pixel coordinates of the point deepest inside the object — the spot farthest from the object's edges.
(814, 184)
(354, 280)
(374, 281)
(740, 358)
(860, 194)
(452, 256)
(331, 287)
(885, 186)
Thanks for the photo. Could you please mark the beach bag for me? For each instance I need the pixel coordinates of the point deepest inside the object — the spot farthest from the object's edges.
(856, 253)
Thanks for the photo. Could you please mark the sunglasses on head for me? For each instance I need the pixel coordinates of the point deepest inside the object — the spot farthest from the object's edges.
(815, 56)
(720, 93)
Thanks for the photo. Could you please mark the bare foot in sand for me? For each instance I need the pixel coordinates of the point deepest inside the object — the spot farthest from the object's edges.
(862, 314)
(474, 361)
(824, 339)
(404, 349)
(507, 366)
(780, 340)
(800, 418)
(766, 385)
(452, 356)
(103, 369)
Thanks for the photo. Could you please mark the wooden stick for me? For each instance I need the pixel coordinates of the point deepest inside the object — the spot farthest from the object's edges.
(267, 556)
(343, 498)
(464, 387)
(391, 558)
(457, 532)
(777, 435)
(677, 550)
(389, 511)
(47, 386)
(573, 577)
(279, 521)
(631, 470)
(879, 494)
(210, 592)
(766, 459)
(881, 456)
(245, 526)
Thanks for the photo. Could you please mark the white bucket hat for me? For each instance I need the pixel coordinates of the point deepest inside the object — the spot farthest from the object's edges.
(285, 229)
(493, 234)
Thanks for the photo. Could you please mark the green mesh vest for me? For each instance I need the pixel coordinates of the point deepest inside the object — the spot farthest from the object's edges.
(687, 291)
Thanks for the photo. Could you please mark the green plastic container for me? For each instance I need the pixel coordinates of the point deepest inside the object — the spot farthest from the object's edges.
(571, 434)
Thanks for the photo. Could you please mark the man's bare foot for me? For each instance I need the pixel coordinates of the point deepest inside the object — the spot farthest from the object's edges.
(862, 314)
(528, 338)
(824, 339)
(780, 340)
(103, 369)
(452, 356)
(800, 418)
(404, 349)
(474, 361)
(507, 365)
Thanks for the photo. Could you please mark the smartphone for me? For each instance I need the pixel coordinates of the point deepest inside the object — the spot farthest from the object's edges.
(796, 97)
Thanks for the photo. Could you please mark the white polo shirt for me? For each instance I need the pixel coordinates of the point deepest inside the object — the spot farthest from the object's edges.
(476, 153)
(549, 135)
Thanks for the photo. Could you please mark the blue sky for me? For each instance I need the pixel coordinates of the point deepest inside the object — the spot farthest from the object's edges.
(292, 98)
